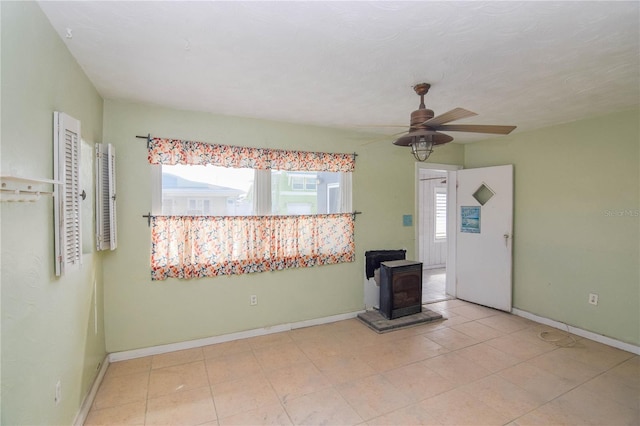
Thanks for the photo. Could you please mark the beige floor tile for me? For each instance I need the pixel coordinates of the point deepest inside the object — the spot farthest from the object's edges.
(451, 319)
(502, 396)
(242, 395)
(373, 396)
(506, 323)
(448, 304)
(323, 346)
(616, 388)
(190, 407)
(401, 352)
(544, 385)
(389, 337)
(269, 340)
(451, 339)
(232, 367)
(549, 414)
(177, 378)
(430, 326)
(297, 380)
(456, 407)
(381, 358)
(418, 381)
(343, 368)
(176, 358)
(420, 347)
(121, 390)
(628, 373)
(596, 408)
(488, 357)
(313, 332)
(325, 407)
(523, 349)
(457, 369)
(348, 325)
(478, 331)
(561, 365)
(596, 354)
(357, 338)
(474, 312)
(120, 368)
(412, 415)
(546, 337)
(126, 414)
(268, 415)
(277, 356)
(226, 348)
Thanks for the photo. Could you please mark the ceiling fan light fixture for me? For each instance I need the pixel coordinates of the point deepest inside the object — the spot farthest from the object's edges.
(421, 147)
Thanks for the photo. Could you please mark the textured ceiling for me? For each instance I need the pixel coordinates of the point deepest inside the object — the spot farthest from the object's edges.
(353, 64)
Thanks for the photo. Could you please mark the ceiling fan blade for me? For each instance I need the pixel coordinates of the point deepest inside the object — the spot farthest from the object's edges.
(476, 128)
(454, 114)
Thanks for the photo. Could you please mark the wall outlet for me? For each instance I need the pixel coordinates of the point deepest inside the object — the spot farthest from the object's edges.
(593, 298)
(58, 396)
(253, 300)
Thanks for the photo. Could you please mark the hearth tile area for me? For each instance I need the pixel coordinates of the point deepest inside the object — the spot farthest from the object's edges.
(378, 323)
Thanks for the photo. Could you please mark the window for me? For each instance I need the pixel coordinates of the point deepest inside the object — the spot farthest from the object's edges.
(206, 190)
(66, 169)
(440, 217)
(237, 210)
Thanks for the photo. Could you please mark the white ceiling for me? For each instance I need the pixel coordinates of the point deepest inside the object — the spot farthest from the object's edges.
(351, 64)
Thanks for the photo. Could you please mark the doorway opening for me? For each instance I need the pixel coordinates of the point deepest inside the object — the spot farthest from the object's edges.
(435, 201)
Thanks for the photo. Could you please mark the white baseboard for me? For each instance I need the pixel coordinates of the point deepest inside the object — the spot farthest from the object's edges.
(190, 344)
(578, 331)
(81, 417)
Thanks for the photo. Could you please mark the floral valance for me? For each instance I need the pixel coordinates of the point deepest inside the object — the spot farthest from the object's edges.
(175, 151)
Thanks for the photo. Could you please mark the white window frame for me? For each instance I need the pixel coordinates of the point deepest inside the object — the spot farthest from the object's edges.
(67, 198)
(331, 186)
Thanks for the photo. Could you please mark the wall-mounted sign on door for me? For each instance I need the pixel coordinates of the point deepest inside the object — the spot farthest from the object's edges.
(470, 219)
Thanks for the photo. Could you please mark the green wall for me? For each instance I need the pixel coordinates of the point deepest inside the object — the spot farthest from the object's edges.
(48, 329)
(141, 313)
(576, 224)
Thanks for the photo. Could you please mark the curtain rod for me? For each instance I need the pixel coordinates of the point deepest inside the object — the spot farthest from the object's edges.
(148, 138)
(148, 216)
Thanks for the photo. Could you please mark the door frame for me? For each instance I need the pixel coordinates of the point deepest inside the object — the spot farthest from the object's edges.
(452, 178)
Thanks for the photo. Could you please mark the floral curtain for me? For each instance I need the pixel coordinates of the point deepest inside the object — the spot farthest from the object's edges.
(201, 246)
(175, 151)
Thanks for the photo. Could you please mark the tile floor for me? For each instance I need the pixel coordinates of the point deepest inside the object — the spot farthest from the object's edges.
(478, 367)
(433, 285)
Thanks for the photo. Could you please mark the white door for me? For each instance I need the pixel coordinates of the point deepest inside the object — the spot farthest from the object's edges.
(484, 236)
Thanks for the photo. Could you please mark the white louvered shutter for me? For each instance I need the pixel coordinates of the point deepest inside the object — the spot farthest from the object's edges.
(66, 165)
(105, 197)
(440, 219)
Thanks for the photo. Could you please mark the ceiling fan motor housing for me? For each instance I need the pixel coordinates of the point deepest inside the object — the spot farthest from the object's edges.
(413, 137)
(418, 117)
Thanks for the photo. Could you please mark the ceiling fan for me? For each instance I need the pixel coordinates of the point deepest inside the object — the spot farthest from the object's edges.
(424, 129)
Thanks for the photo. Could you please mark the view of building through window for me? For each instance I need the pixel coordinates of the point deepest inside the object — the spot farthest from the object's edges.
(221, 191)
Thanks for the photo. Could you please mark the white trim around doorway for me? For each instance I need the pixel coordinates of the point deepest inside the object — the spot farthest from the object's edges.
(451, 170)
